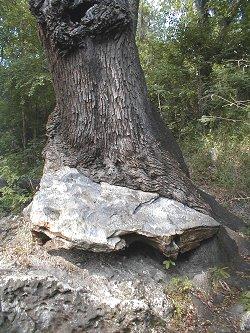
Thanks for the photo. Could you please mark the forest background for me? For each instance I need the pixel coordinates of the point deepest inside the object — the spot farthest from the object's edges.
(195, 55)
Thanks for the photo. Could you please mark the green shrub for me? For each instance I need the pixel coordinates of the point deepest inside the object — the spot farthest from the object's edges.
(15, 166)
(245, 300)
(220, 159)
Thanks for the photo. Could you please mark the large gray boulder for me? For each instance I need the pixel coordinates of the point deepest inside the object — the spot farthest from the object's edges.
(69, 291)
(80, 213)
(77, 291)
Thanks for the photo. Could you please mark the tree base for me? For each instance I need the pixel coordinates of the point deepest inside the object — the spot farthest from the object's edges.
(72, 211)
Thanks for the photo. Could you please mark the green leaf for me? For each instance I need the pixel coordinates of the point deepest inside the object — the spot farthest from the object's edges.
(168, 264)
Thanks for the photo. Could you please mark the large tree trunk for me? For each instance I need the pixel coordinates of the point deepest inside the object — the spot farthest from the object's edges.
(105, 128)
(104, 123)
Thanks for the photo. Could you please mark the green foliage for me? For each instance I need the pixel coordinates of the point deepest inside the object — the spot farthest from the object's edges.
(219, 158)
(14, 168)
(180, 285)
(168, 264)
(219, 274)
(12, 200)
(26, 94)
(26, 99)
(245, 300)
(179, 289)
(197, 64)
(195, 68)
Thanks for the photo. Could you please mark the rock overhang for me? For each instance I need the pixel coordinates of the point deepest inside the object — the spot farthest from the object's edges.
(80, 213)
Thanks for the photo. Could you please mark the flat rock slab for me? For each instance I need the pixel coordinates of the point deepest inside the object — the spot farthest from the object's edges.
(76, 212)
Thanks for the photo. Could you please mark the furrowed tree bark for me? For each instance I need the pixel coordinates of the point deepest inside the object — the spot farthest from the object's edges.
(104, 124)
(134, 8)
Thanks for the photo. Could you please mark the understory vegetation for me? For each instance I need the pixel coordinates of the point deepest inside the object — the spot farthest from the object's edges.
(195, 55)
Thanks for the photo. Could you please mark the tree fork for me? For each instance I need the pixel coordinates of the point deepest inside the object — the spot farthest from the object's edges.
(104, 124)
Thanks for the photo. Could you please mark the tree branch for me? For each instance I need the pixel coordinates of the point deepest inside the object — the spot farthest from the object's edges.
(134, 5)
(201, 6)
